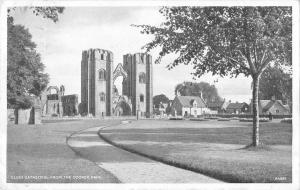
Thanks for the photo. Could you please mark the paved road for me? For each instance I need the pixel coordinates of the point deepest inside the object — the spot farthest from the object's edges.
(129, 167)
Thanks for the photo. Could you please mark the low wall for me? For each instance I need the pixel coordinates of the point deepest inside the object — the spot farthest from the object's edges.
(23, 116)
(11, 116)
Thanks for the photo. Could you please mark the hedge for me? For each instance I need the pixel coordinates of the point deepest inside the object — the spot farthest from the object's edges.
(249, 116)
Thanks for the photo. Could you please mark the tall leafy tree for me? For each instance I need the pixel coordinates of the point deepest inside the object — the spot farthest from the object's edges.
(45, 12)
(204, 89)
(275, 81)
(225, 41)
(25, 71)
(160, 99)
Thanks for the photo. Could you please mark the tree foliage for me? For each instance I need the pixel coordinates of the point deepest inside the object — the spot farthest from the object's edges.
(204, 89)
(160, 99)
(25, 75)
(45, 12)
(25, 71)
(276, 82)
(225, 41)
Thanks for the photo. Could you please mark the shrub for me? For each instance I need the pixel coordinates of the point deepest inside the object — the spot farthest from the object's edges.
(54, 115)
(251, 120)
(175, 118)
(286, 120)
(198, 119)
(211, 117)
(223, 119)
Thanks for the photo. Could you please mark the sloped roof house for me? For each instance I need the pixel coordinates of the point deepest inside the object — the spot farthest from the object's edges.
(189, 105)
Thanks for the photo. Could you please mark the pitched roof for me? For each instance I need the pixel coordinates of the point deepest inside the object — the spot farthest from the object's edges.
(287, 107)
(225, 105)
(267, 104)
(186, 101)
(263, 103)
(217, 104)
(236, 105)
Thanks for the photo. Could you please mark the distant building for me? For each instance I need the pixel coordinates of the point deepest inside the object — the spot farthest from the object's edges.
(217, 107)
(273, 106)
(58, 104)
(97, 81)
(189, 106)
(237, 108)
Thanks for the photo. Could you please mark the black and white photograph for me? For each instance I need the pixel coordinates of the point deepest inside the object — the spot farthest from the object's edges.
(149, 94)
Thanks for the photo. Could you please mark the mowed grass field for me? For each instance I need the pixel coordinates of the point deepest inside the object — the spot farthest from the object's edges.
(214, 148)
(39, 154)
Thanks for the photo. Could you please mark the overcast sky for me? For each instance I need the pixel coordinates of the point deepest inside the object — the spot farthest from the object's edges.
(61, 44)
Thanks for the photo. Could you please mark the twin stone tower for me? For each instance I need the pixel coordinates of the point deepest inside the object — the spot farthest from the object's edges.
(99, 95)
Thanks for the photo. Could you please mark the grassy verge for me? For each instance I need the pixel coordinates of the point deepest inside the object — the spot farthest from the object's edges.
(209, 155)
(39, 154)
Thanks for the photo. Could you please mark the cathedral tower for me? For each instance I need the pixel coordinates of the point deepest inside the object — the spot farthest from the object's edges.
(138, 85)
(97, 82)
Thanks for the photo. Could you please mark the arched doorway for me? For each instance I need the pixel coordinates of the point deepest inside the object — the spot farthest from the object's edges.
(121, 104)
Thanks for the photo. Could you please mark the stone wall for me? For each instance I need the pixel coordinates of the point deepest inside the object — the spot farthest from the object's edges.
(28, 116)
(11, 116)
(93, 86)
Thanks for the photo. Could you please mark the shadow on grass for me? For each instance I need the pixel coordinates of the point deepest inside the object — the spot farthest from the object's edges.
(260, 147)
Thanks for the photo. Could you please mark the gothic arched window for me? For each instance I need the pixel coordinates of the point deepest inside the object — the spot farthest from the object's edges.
(102, 96)
(141, 98)
(102, 74)
(142, 77)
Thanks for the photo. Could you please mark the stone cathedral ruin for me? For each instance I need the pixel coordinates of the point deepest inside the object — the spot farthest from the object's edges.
(100, 97)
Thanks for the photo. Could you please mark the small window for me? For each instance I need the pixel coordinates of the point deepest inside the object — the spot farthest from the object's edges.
(277, 111)
(102, 74)
(142, 78)
(102, 57)
(141, 98)
(102, 97)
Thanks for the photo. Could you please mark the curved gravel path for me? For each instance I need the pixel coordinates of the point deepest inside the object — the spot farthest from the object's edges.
(126, 166)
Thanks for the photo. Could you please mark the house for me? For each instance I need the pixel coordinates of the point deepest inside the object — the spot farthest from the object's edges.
(273, 106)
(189, 106)
(237, 108)
(217, 107)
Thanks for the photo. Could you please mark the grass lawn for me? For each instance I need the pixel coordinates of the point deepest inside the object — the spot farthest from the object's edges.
(213, 148)
(39, 154)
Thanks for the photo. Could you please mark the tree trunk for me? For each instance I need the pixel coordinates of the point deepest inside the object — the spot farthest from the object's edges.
(255, 135)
